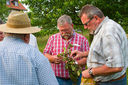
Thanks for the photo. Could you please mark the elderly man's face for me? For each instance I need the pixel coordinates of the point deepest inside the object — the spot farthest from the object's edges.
(1, 36)
(66, 30)
(91, 23)
(88, 23)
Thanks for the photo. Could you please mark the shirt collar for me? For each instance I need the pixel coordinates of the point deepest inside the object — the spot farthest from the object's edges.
(10, 38)
(100, 25)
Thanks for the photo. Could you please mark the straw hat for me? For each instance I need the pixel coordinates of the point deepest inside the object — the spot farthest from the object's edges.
(19, 23)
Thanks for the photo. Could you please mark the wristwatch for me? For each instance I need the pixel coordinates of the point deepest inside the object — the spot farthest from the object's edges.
(90, 72)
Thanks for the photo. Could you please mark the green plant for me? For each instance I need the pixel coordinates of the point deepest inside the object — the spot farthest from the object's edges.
(73, 68)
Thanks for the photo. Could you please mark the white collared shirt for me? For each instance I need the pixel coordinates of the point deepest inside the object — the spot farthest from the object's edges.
(109, 47)
(33, 41)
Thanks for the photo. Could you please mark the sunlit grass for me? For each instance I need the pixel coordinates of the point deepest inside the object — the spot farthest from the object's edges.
(42, 41)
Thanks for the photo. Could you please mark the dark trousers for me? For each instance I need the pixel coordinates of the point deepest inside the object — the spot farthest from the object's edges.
(122, 81)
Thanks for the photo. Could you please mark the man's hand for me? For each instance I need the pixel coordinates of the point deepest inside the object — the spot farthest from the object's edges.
(57, 60)
(85, 74)
(78, 54)
(53, 58)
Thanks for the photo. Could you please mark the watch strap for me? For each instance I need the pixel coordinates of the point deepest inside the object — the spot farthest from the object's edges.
(90, 72)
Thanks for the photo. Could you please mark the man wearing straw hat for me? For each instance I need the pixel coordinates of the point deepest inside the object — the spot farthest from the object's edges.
(21, 63)
(32, 41)
(1, 33)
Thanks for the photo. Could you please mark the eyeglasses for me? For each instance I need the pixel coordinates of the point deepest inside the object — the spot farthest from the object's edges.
(88, 22)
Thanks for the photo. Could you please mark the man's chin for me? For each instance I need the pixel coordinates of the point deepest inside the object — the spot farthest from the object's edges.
(66, 37)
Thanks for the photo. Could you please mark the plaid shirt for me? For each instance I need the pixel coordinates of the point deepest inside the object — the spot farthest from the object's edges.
(109, 47)
(55, 46)
(22, 64)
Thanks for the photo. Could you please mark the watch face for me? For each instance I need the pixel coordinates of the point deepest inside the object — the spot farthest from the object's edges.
(90, 72)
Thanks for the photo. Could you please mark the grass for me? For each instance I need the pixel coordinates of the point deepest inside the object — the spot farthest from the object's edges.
(42, 41)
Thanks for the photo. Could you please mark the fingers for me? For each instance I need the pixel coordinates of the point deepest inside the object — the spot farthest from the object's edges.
(85, 74)
(73, 53)
(57, 60)
(77, 56)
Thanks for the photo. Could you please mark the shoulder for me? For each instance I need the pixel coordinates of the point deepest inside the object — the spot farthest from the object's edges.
(80, 36)
(34, 52)
(32, 36)
(111, 27)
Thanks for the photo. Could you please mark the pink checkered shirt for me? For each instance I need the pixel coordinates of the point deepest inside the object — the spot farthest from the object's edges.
(55, 46)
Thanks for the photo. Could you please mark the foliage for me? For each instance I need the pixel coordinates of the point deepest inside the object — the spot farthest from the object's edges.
(4, 10)
(45, 13)
(74, 69)
(45, 32)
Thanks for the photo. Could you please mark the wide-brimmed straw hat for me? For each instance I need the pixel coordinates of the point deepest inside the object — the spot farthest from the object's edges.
(19, 23)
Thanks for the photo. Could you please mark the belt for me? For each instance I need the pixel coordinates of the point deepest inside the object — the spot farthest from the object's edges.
(63, 78)
(97, 83)
(119, 78)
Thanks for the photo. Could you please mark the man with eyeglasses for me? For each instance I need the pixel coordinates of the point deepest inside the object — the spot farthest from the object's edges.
(108, 56)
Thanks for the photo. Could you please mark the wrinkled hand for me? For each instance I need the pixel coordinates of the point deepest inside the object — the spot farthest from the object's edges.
(85, 74)
(77, 54)
(57, 60)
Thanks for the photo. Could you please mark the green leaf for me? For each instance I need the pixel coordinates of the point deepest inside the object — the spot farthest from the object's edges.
(64, 50)
(73, 68)
(78, 73)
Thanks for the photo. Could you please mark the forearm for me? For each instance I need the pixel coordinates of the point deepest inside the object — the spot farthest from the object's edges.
(82, 61)
(50, 58)
(104, 70)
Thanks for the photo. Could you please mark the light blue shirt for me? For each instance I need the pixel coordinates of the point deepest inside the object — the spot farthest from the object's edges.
(22, 64)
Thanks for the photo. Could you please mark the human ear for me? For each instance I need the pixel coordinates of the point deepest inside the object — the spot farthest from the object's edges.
(27, 38)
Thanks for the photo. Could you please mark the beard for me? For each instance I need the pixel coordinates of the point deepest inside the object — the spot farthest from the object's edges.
(66, 36)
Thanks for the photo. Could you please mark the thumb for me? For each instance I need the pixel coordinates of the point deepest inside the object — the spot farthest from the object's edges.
(75, 57)
(73, 52)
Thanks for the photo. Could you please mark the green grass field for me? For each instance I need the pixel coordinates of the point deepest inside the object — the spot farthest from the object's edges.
(42, 41)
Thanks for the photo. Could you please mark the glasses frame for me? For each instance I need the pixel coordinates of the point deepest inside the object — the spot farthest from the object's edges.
(86, 24)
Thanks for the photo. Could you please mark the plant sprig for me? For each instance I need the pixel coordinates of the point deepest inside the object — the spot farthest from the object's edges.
(74, 69)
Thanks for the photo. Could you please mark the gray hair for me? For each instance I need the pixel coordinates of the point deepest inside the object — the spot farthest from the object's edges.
(63, 19)
(91, 10)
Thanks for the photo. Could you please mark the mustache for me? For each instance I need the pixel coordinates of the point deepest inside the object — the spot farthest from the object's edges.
(66, 34)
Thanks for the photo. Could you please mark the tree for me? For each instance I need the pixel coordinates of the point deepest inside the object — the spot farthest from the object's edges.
(45, 13)
(4, 10)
